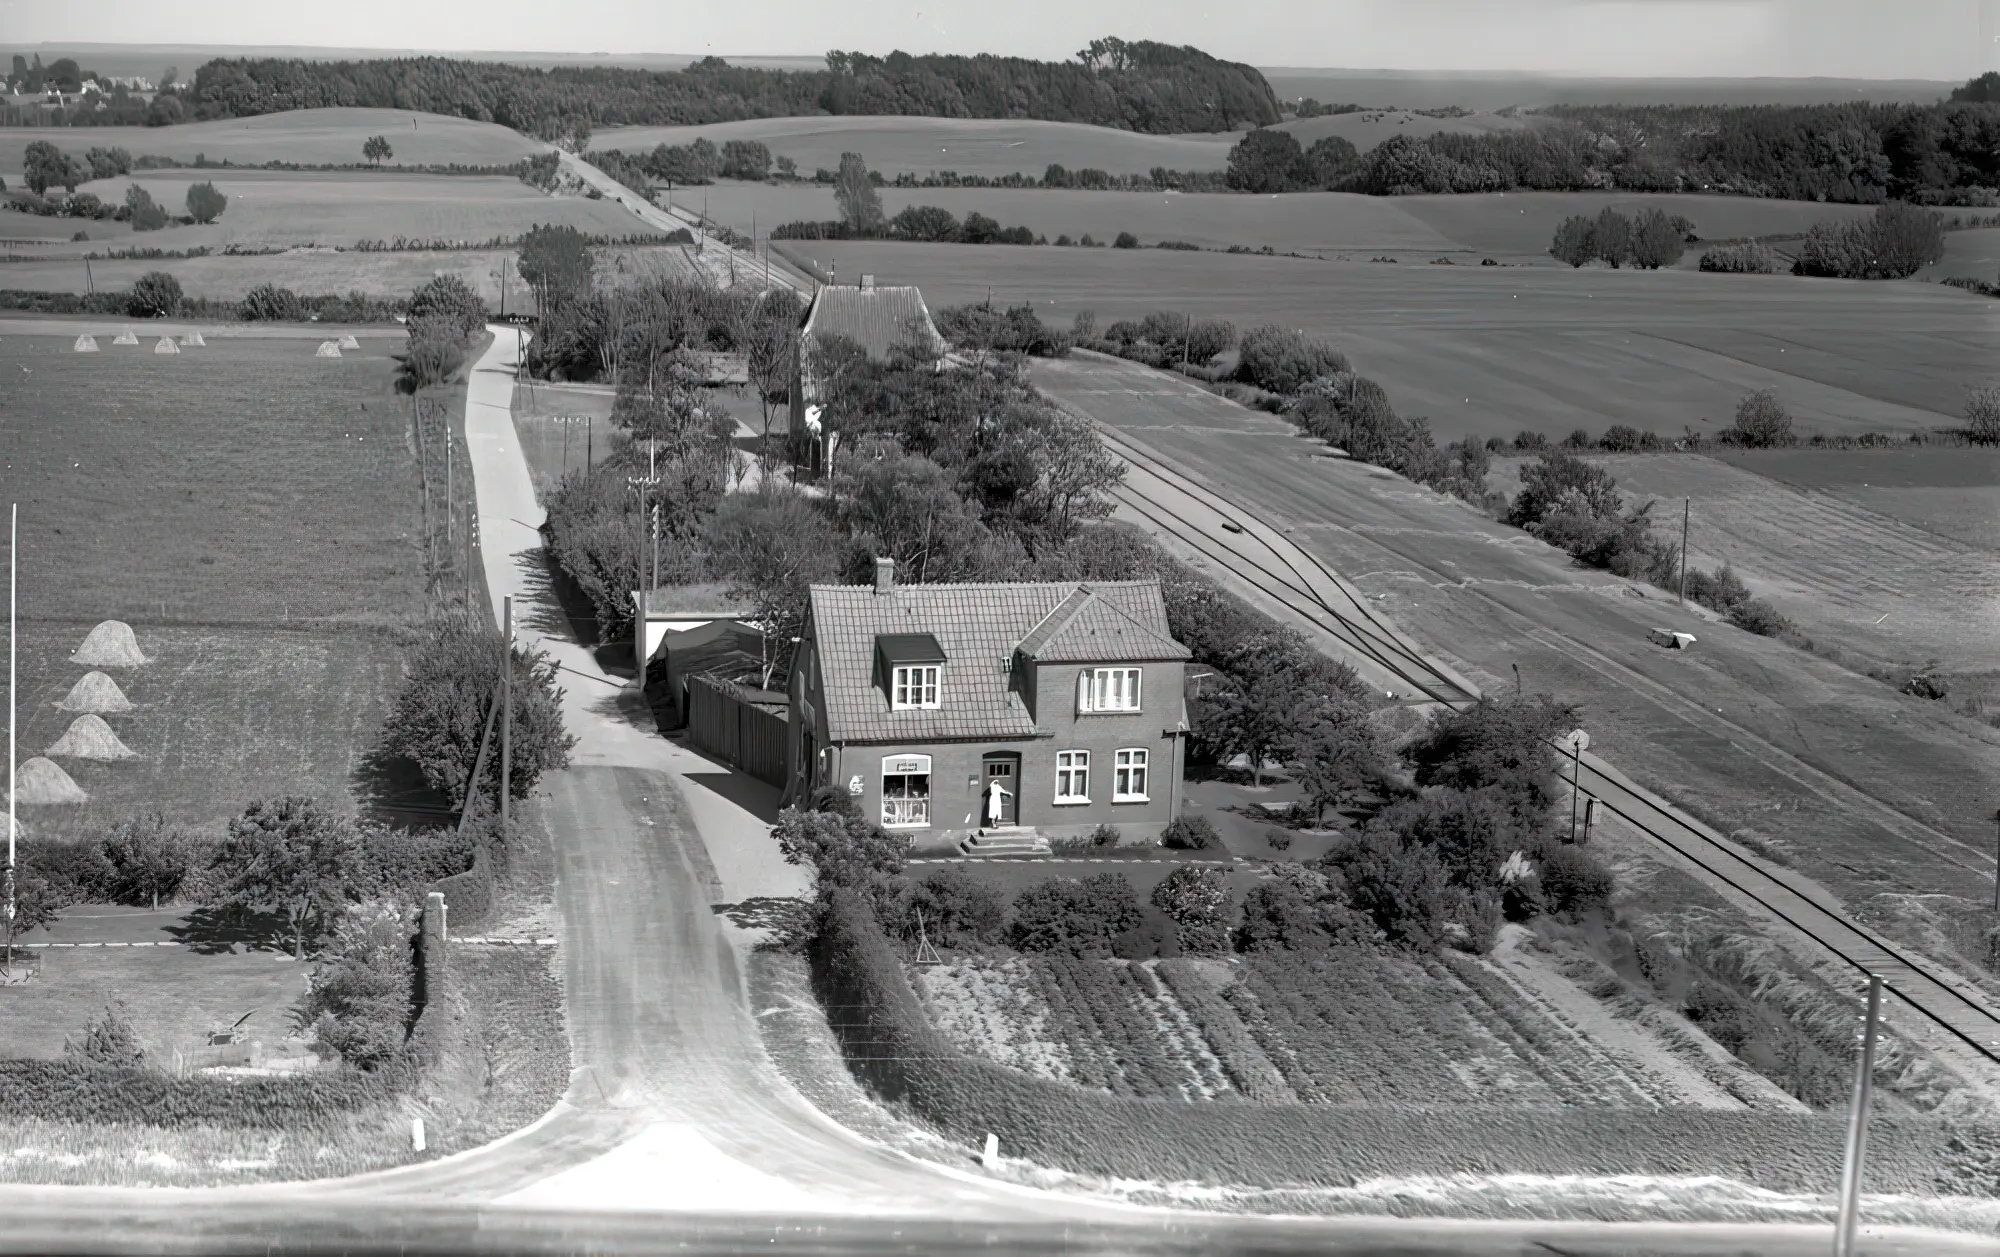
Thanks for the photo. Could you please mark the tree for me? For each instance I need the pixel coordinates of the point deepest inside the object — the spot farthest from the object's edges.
(451, 303)
(771, 348)
(1330, 159)
(1260, 709)
(152, 858)
(1337, 756)
(295, 856)
(376, 149)
(1906, 238)
(110, 1040)
(1982, 414)
(844, 852)
(1075, 473)
(1656, 241)
(155, 295)
(908, 508)
(1265, 160)
(772, 547)
(358, 1001)
(1561, 483)
(1761, 421)
(556, 260)
(925, 222)
(204, 203)
(1125, 240)
(145, 213)
(745, 159)
(1284, 360)
(439, 715)
(44, 166)
(860, 204)
(108, 163)
(1503, 742)
(1611, 237)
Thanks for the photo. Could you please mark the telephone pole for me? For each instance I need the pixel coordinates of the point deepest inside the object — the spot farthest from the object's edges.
(1857, 1126)
(1687, 510)
(643, 483)
(506, 708)
(13, 690)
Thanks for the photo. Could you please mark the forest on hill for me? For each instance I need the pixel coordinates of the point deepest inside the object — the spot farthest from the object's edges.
(1138, 86)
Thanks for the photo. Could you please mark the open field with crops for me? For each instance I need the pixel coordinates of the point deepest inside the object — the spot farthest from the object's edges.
(1520, 224)
(270, 207)
(306, 136)
(252, 511)
(1488, 351)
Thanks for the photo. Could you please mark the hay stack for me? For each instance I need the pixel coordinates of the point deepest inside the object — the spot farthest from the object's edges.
(95, 693)
(90, 738)
(194, 339)
(43, 783)
(86, 344)
(166, 345)
(127, 337)
(110, 645)
(20, 827)
(348, 342)
(328, 349)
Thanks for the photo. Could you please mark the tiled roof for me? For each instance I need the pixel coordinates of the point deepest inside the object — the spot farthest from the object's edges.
(877, 319)
(979, 626)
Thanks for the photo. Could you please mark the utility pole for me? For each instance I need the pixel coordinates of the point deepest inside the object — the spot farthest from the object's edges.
(1687, 509)
(1996, 859)
(1575, 782)
(643, 483)
(1857, 1126)
(13, 691)
(471, 518)
(450, 503)
(506, 708)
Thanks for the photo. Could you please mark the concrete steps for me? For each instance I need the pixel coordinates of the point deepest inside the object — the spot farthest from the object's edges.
(1007, 842)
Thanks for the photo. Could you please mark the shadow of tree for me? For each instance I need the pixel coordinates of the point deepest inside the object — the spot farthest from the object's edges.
(390, 790)
(553, 604)
(215, 930)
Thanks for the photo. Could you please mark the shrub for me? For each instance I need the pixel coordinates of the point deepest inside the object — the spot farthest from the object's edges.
(110, 1040)
(951, 907)
(359, 998)
(1927, 682)
(1105, 835)
(268, 303)
(1572, 880)
(1071, 917)
(204, 203)
(1761, 422)
(149, 859)
(1754, 615)
(1125, 240)
(1895, 243)
(143, 212)
(1574, 242)
(1611, 237)
(1656, 241)
(844, 850)
(430, 357)
(1198, 901)
(1982, 415)
(1562, 483)
(450, 303)
(1498, 742)
(1283, 360)
(1279, 838)
(925, 222)
(440, 713)
(1619, 437)
(156, 295)
(1190, 833)
(1740, 259)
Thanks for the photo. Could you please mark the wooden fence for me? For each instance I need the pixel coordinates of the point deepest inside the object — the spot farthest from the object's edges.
(730, 723)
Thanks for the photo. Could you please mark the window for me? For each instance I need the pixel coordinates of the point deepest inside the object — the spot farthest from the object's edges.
(915, 686)
(1072, 776)
(1108, 689)
(1128, 778)
(906, 791)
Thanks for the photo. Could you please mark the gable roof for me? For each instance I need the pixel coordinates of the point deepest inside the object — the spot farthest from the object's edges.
(877, 319)
(979, 627)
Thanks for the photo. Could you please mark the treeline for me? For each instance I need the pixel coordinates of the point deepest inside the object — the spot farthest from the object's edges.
(1150, 87)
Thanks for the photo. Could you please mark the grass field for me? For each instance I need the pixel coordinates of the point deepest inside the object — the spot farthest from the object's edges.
(1492, 351)
(252, 511)
(339, 208)
(172, 996)
(1521, 224)
(1974, 254)
(307, 136)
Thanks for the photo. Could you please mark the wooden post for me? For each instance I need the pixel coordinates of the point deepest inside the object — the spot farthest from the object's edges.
(472, 787)
(1687, 509)
(450, 503)
(506, 707)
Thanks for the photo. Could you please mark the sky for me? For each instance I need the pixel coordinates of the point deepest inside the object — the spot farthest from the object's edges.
(1932, 39)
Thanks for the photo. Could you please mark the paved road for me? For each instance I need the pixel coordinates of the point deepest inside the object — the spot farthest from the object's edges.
(781, 272)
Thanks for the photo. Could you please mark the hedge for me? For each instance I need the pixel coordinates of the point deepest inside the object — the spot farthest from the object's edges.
(69, 1090)
(892, 1046)
(469, 896)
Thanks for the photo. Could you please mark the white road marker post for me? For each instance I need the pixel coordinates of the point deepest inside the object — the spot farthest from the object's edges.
(416, 1134)
(990, 1155)
(1857, 1126)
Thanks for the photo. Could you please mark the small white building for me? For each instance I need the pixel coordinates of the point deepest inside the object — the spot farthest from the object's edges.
(679, 608)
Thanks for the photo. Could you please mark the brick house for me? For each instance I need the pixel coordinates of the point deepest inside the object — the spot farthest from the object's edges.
(952, 711)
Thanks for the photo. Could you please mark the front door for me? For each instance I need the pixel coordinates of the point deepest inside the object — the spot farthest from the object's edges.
(998, 804)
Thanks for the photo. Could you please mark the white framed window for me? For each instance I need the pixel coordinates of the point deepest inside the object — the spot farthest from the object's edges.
(913, 686)
(1072, 776)
(906, 791)
(1128, 776)
(1108, 689)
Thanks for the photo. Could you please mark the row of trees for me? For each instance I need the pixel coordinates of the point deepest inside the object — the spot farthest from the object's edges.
(1154, 88)
(1273, 161)
(44, 166)
(1649, 240)
(697, 162)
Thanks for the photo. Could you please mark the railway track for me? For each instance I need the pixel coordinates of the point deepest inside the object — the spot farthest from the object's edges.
(1271, 563)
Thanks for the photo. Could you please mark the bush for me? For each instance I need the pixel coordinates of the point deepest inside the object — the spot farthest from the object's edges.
(1498, 742)
(1572, 880)
(1895, 243)
(1611, 237)
(359, 998)
(951, 907)
(1125, 240)
(844, 851)
(1656, 241)
(925, 222)
(1982, 415)
(450, 303)
(149, 860)
(440, 713)
(204, 203)
(1619, 437)
(1754, 615)
(156, 295)
(1761, 422)
(1198, 901)
(110, 1040)
(1285, 361)
(1575, 242)
(1190, 833)
(268, 303)
(1562, 483)
(1105, 835)
(142, 211)
(1074, 918)
(1740, 259)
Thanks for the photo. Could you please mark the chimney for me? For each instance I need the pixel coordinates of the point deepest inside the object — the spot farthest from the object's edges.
(885, 576)
(867, 283)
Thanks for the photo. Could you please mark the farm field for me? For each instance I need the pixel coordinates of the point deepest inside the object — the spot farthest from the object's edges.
(1948, 490)
(172, 996)
(307, 136)
(1488, 351)
(269, 207)
(1523, 223)
(1973, 253)
(1849, 573)
(1731, 729)
(1370, 127)
(251, 510)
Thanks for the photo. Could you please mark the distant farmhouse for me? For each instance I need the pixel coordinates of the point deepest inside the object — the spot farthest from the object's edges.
(953, 713)
(878, 319)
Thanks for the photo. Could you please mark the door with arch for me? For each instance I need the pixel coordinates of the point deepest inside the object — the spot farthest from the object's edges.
(1000, 790)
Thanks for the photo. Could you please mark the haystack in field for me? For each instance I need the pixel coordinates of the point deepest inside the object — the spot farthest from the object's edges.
(165, 345)
(20, 827)
(194, 339)
(95, 693)
(90, 738)
(328, 349)
(126, 337)
(43, 783)
(348, 342)
(86, 344)
(110, 645)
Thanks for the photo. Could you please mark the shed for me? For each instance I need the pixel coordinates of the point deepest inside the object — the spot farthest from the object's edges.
(727, 649)
(679, 608)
